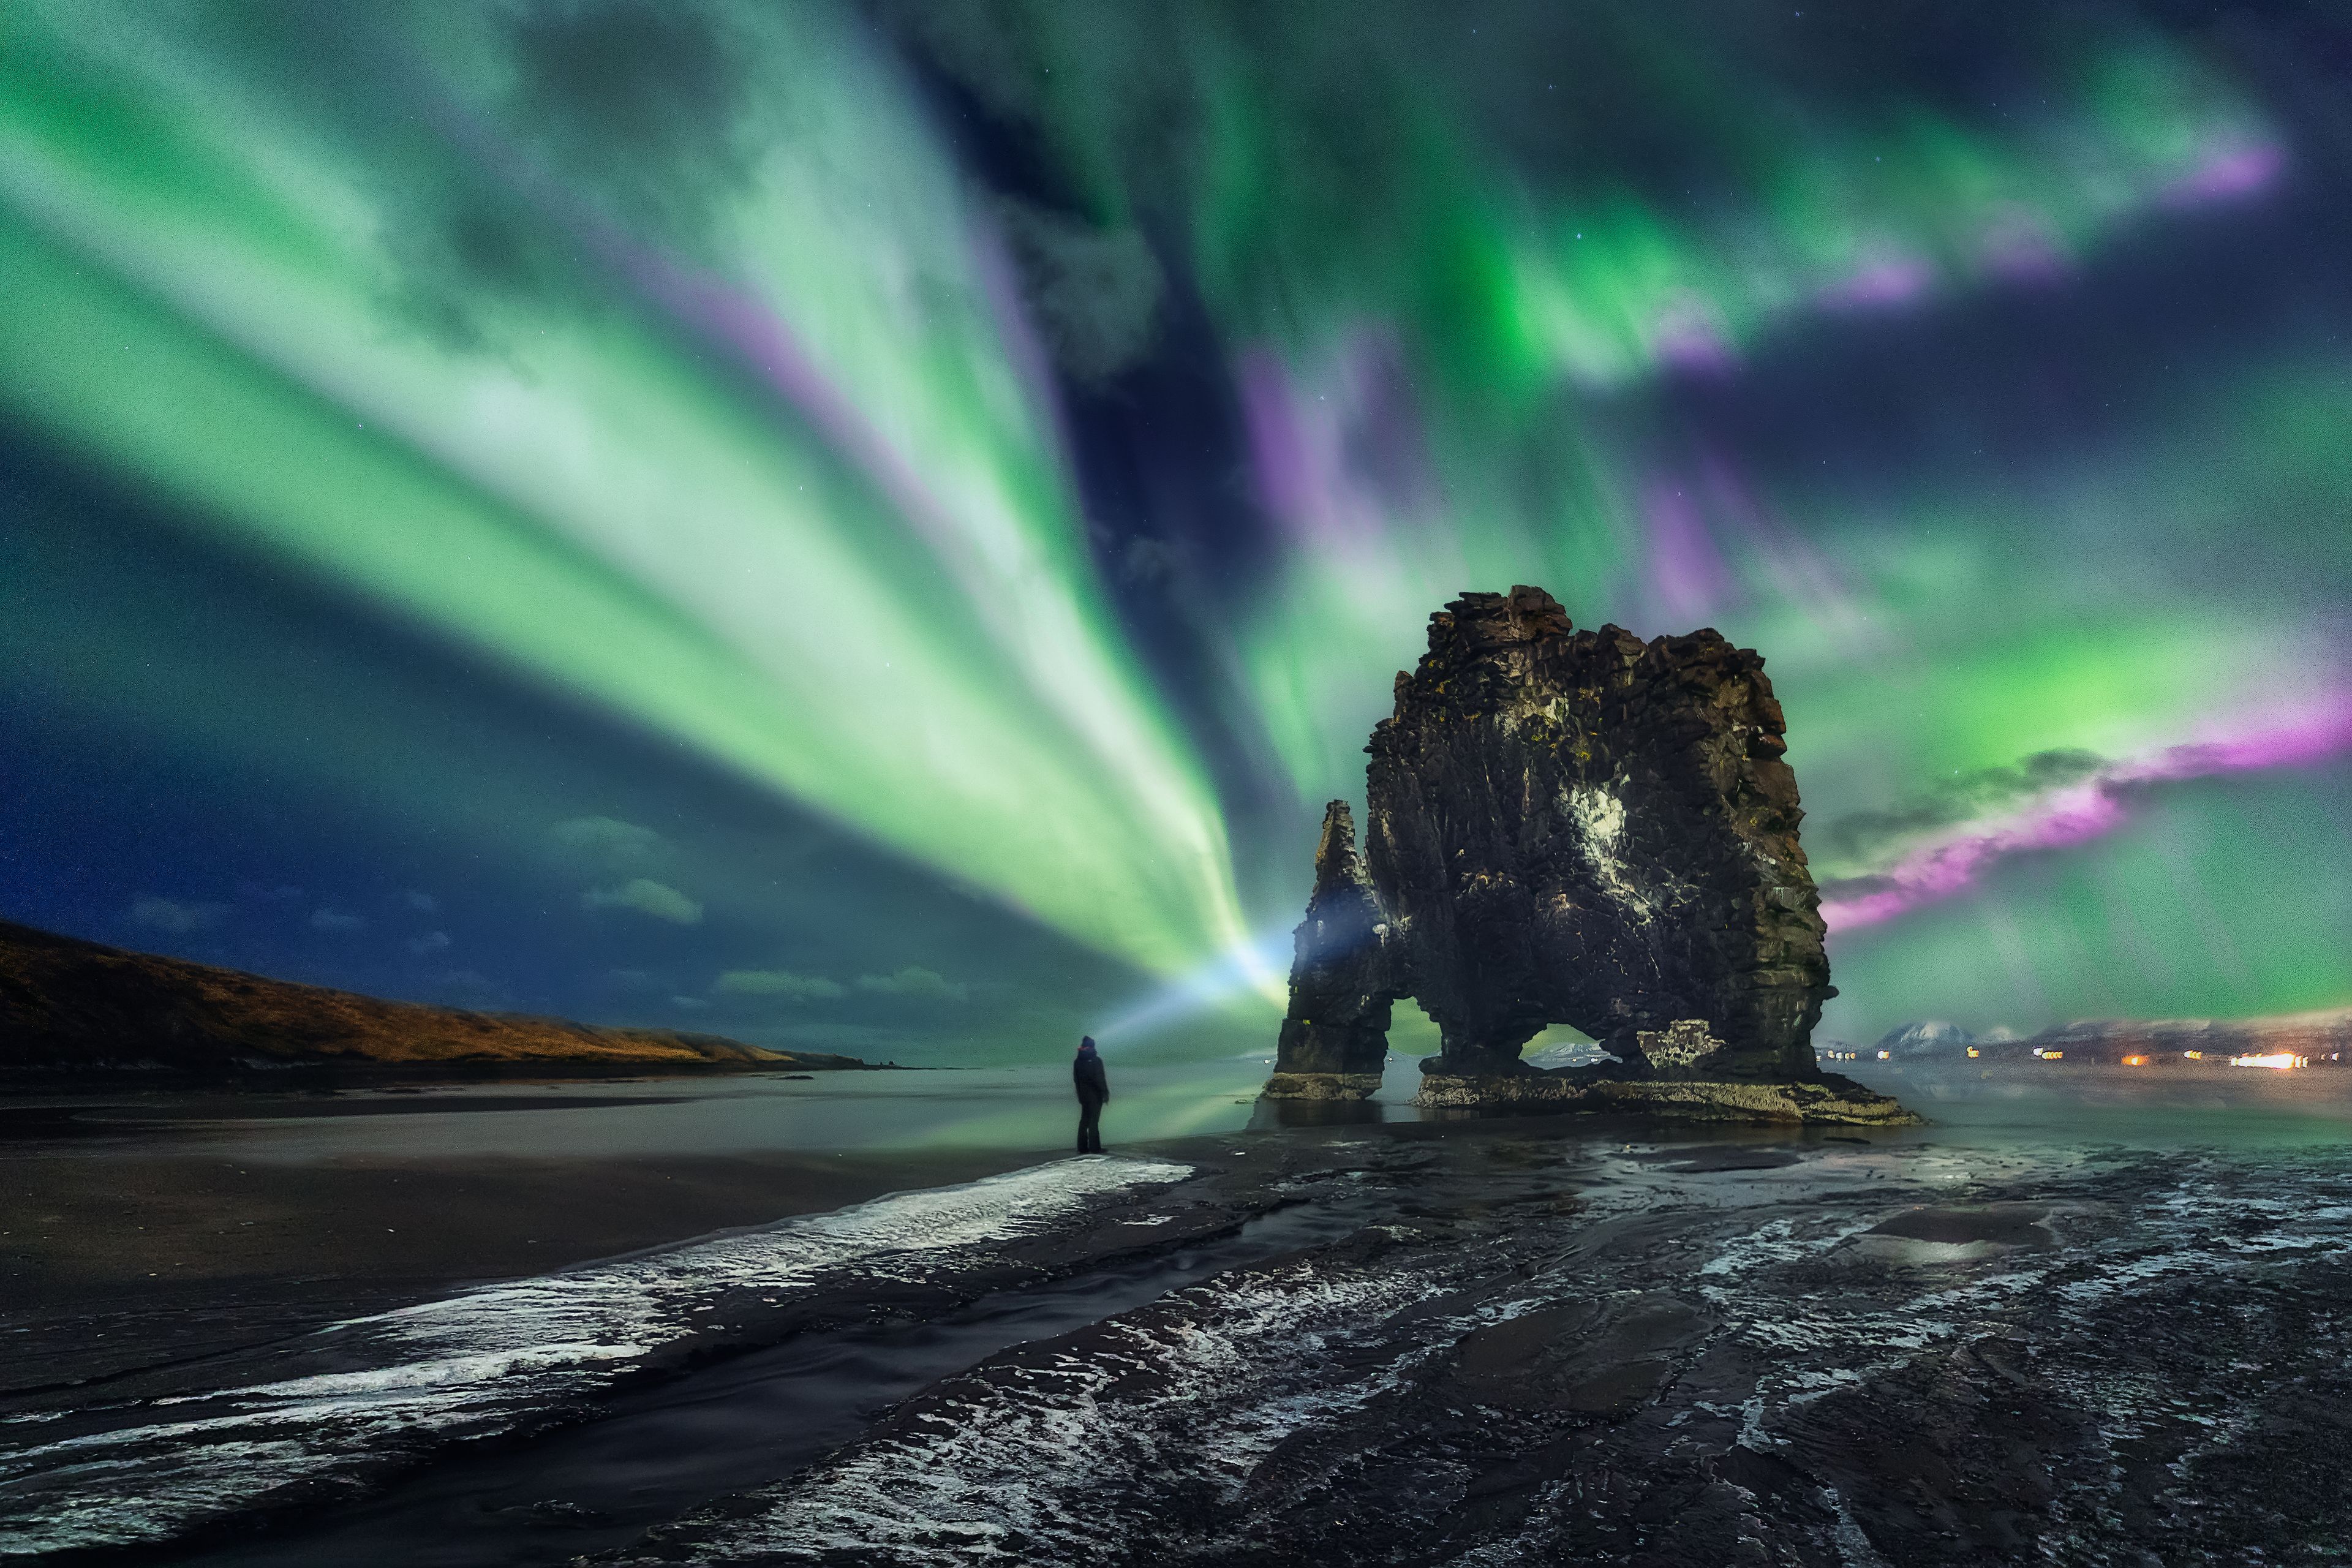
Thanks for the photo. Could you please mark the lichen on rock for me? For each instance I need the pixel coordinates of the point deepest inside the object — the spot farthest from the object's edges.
(1568, 827)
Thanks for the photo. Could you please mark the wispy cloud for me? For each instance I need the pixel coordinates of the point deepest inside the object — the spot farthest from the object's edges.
(337, 919)
(913, 981)
(648, 897)
(610, 842)
(430, 942)
(779, 983)
(419, 903)
(175, 916)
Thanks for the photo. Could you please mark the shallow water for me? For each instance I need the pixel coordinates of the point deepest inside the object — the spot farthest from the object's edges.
(986, 1108)
(2243, 1108)
(1029, 1108)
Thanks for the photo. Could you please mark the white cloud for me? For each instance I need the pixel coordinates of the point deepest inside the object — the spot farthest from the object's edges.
(646, 896)
(431, 941)
(422, 903)
(913, 981)
(689, 1002)
(778, 983)
(173, 916)
(337, 919)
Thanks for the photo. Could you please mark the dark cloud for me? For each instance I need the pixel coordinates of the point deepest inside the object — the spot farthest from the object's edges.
(1846, 889)
(637, 101)
(1146, 561)
(600, 115)
(1865, 835)
(1094, 293)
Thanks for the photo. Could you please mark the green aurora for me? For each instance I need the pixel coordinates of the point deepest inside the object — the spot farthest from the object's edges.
(734, 381)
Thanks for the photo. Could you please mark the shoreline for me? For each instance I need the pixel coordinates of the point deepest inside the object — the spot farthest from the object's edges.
(327, 1075)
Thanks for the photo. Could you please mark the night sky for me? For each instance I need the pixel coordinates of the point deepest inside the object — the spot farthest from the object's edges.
(879, 527)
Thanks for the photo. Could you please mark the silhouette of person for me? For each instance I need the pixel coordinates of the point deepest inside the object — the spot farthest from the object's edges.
(1094, 1093)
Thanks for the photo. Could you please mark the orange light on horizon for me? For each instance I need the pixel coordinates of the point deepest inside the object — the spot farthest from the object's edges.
(2135, 1061)
(2277, 1061)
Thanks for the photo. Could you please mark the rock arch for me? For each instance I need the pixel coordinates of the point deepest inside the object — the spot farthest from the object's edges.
(1572, 827)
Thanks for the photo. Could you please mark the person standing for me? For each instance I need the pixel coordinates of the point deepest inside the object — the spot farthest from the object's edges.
(1094, 1093)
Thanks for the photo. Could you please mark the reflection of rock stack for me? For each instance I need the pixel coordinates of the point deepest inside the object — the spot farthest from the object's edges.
(1568, 827)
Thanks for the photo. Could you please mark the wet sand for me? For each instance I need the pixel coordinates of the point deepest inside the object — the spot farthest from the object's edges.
(79, 1230)
(124, 1242)
(1489, 1340)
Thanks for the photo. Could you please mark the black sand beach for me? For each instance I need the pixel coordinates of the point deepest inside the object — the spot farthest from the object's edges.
(1504, 1339)
(123, 1244)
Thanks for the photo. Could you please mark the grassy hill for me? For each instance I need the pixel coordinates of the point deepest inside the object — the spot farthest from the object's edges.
(68, 1004)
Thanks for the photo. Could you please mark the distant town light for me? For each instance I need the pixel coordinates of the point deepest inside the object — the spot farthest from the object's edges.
(2135, 1061)
(1886, 1056)
(1972, 1050)
(2277, 1061)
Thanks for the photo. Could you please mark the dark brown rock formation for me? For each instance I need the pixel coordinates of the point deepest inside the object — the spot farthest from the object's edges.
(1344, 974)
(1570, 827)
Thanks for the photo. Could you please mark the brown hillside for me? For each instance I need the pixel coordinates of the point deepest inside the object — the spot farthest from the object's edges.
(66, 1003)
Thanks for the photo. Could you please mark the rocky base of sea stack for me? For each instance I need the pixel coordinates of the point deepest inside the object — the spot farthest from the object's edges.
(1322, 1086)
(1829, 1100)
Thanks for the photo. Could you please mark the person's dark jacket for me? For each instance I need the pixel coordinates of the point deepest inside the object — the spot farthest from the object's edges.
(1087, 1073)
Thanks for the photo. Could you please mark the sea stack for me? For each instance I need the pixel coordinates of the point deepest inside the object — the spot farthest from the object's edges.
(1579, 828)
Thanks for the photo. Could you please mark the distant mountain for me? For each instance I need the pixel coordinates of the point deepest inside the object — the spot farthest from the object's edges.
(68, 1004)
